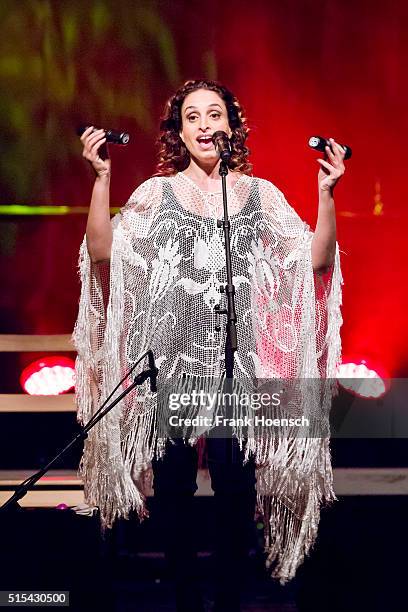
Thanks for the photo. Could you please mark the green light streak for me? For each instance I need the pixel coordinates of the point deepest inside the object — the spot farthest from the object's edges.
(21, 210)
(36, 211)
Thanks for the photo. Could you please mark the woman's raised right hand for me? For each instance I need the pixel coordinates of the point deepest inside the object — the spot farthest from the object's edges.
(96, 151)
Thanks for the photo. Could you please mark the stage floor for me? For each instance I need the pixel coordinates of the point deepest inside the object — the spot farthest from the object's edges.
(357, 564)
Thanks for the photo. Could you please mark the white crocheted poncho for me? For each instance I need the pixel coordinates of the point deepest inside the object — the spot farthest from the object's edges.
(158, 292)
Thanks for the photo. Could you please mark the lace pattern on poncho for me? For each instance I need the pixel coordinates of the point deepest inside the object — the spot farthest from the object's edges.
(159, 291)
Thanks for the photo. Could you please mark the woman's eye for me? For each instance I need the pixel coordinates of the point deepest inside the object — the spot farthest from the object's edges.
(215, 115)
(192, 117)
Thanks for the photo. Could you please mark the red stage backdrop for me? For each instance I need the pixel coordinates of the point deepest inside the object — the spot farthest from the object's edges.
(300, 67)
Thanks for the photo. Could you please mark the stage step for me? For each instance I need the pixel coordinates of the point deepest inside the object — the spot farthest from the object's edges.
(64, 486)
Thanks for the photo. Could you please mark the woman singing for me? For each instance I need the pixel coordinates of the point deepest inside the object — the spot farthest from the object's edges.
(151, 279)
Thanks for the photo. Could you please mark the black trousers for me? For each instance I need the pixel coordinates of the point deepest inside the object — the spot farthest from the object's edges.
(233, 484)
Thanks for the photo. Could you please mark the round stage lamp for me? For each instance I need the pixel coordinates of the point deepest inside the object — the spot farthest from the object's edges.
(360, 380)
(48, 376)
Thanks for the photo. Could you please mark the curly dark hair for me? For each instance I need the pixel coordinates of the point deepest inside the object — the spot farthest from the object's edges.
(173, 154)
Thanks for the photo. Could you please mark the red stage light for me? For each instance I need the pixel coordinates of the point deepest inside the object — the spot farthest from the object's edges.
(360, 380)
(48, 376)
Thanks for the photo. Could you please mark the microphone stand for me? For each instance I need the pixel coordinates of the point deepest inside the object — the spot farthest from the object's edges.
(26, 485)
(231, 343)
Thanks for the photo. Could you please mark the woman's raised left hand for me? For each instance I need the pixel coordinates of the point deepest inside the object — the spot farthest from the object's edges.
(331, 167)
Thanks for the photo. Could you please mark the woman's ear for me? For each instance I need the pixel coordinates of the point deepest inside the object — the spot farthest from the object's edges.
(181, 136)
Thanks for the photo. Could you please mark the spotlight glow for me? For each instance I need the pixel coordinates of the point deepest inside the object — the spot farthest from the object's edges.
(361, 380)
(48, 376)
(61, 507)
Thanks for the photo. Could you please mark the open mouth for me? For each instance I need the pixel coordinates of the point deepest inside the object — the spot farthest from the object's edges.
(205, 142)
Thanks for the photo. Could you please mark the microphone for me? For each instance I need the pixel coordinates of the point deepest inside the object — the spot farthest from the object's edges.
(222, 145)
(318, 143)
(112, 136)
(153, 372)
